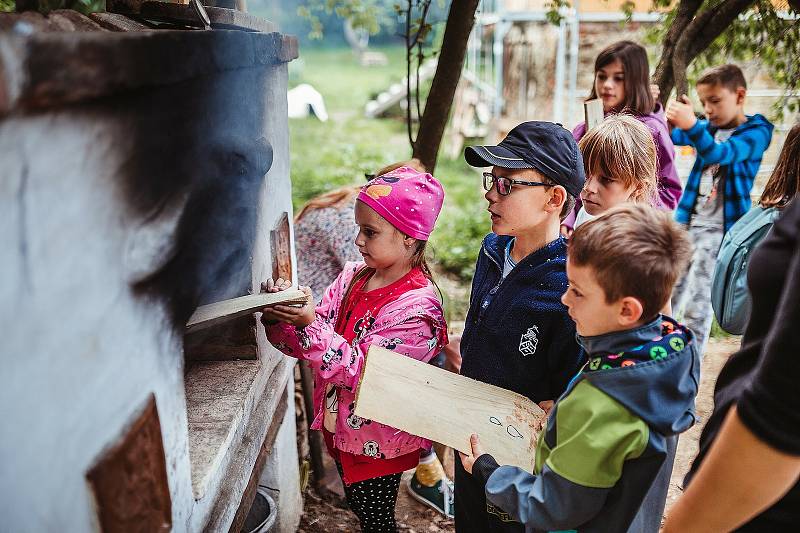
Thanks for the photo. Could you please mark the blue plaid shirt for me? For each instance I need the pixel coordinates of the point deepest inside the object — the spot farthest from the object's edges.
(739, 158)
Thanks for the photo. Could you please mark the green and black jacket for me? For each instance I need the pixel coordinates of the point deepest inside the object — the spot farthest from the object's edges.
(608, 436)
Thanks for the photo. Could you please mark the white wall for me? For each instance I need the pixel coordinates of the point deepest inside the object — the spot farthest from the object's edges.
(81, 353)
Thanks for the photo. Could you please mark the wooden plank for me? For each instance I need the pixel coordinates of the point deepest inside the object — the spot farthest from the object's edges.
(115, 22)
(129, 481)
(69, 20)
(48, 68)
(221, 18)
(265, 418)
(266, 448)
(208, 315)
(447, 408)
(593, 110)
(281, 246)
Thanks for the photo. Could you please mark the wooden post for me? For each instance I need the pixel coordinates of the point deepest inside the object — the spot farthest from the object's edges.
(315, 443)
(281, 246)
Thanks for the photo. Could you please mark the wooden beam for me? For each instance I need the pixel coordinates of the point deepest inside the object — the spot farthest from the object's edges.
(68, 20)
(208, 315)
(220, 17)
(447, 408)
(281, 246)
(266, 448)
(115, 22)
(53, 68)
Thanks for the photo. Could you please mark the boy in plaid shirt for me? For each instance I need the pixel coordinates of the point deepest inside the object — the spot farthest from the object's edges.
(729, 147)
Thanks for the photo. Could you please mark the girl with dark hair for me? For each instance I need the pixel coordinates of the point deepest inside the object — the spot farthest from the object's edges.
(622, 82)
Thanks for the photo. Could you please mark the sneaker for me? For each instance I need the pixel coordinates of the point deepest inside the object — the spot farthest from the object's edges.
(438, 497)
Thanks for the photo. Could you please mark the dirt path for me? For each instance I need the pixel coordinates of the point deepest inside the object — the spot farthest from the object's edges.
(330, 515)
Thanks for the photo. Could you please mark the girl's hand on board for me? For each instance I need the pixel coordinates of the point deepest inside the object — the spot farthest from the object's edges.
(297, 316)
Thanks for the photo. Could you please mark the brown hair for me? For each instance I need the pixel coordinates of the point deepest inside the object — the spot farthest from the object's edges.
(414, 163)
(638, 99)
(634, 250)
(729, 76)
(622, 148)
(784, 183)
(348, 194)
(329, 199)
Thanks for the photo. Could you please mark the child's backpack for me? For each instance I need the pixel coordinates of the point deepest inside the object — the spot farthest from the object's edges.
(730, 297)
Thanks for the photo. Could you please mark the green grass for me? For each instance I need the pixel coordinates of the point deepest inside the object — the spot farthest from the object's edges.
(338, 152)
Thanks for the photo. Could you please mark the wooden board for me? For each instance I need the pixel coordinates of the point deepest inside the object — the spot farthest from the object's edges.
(593, 110)
(444, 407)
(129, 481)
(281, 246)
(208, 315)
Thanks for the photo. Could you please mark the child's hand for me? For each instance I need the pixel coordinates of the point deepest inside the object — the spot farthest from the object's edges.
(477, 451)
(655, 91)
(566, 232)
(278, 285)
(680, 113)
(297, 316)
(452, 354)
(547, 406)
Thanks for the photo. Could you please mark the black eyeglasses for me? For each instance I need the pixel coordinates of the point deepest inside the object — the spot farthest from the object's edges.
(504, 184)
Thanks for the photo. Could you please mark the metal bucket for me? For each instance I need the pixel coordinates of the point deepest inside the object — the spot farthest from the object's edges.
(262, 514)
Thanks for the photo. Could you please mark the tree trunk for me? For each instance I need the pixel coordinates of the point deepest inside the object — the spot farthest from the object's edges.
(448, 71)
(663, 76)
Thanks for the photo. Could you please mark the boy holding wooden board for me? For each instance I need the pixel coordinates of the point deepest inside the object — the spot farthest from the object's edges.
(518, 334)
(604, 460)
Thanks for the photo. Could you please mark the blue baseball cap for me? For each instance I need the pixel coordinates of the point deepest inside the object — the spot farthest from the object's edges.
(543, 146)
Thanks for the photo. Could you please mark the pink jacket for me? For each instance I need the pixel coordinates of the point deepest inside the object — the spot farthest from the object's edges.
(412, 325)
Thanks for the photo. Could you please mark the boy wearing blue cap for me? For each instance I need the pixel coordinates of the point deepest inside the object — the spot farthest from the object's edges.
(518, 334)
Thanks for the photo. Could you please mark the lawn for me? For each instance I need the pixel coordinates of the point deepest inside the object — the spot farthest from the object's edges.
(338, 152)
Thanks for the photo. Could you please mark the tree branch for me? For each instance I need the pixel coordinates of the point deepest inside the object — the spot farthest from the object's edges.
(700, 33)
(409, 48)
(663, 76)
(460, 20)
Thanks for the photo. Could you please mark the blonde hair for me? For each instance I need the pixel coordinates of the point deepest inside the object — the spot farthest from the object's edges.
(348, 194)
(622, 148)
(634, 250)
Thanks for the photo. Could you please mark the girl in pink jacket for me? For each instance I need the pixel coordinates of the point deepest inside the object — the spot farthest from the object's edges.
(387, 300)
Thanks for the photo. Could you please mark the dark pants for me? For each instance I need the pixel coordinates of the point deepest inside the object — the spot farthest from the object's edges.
(473, 513)
(373, 501)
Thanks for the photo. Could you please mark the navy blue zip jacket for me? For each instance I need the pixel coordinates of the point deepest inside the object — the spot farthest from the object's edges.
(518, 336)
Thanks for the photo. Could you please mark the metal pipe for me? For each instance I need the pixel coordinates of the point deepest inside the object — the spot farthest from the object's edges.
(573, 60)
(558, 99)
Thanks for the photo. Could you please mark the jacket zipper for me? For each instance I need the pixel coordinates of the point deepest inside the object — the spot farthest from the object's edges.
(492, 291)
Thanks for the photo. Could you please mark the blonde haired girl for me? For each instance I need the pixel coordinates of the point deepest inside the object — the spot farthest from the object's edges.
(621, 165)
